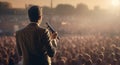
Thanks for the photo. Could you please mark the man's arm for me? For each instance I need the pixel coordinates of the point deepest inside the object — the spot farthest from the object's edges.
(48, 43)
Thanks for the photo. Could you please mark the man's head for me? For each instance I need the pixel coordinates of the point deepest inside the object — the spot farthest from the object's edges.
(35, 14)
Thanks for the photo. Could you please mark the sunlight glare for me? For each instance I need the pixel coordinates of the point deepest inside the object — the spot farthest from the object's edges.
(115, 2)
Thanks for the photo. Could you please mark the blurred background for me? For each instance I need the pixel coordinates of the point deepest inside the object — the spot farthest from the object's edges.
(89, 30)
(69, 17)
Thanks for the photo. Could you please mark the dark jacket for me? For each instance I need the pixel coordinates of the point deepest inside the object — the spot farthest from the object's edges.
(34, 44)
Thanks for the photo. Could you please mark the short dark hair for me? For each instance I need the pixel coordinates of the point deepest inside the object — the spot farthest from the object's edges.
(34, 13)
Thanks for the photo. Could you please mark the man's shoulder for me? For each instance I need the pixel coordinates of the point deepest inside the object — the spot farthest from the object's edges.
(39, 29)
(43, 29)
(19, 31)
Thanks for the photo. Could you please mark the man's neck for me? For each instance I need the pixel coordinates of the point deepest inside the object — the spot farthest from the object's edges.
(35, 23)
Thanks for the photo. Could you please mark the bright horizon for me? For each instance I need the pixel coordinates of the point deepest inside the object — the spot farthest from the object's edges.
(105, 4)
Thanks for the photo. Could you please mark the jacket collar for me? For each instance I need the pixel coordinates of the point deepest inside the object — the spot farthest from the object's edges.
(33, 24)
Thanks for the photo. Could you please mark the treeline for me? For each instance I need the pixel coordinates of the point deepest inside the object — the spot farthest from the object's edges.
(61, 9)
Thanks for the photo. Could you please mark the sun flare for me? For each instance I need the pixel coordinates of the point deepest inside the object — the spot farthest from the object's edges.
(115, 2)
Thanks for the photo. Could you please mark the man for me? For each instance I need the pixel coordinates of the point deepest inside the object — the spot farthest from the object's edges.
(34, 43)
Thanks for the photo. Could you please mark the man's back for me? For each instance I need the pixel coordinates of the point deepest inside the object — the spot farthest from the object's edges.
(33, 43)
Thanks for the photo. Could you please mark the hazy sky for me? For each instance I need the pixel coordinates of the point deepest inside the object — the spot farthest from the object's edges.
(91, 3)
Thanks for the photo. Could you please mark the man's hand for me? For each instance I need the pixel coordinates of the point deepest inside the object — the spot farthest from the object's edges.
(54, 35)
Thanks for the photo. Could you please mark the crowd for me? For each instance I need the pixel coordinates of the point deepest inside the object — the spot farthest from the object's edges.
(88, 50)
(72, 50)
(8, 54)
